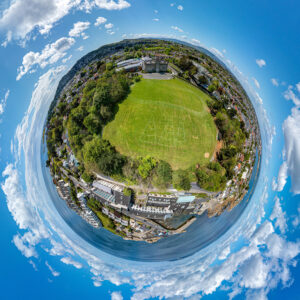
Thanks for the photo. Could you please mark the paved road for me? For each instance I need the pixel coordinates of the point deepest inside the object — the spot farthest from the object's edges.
(158, 76)
(194, 187)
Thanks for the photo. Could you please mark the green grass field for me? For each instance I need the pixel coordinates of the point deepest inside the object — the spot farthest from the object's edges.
(167, 119)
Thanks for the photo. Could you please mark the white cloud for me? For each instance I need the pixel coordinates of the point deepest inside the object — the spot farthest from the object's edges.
(80, 49)
(53, 272)
(70, 261)
(33, 265)
(291, 131)
(116, 296)
(258, 98)
(109, 25)
(264, 253)
(298, 87)
(196, 42)
(3, 102)
(156, 11)
(256, 82)
(172, 4)
(289, 94)
(79, 28)
(296, 219)
(66, 59)
(281, 179)
(217, 52)
(180, 7)
(49, 55)
(8, 39)
(260, 62)
(274, 81)
(24, 247)
(224, 253)
(279, 216)
(254, 273)
(100, 20)
(155, 19)
(177, 28)
(25, 16)
(112, 4)
(15, 198)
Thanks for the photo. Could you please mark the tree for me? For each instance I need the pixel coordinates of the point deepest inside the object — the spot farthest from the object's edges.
(211, 88)
(106, 113)
(147, 164)
(127, 192)
(202, 79)
(92, 124)
(102, 94)
(163, 174)
(87, 177)
(184, 63)
(181, 180)
(100, 155)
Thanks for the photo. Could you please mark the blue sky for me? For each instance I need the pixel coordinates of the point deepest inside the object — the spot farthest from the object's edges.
(258, 40)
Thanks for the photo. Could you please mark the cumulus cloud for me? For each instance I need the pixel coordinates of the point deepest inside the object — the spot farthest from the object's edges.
(265, 253)
(99, 21)
(291, 131)
(116, 296)
(177, 28)
(15, 197)
(254, 272)
(3, 102)
(78, 29)
(256, 82)
(24, 247)
(70, 261)
(49, 55)
(24, 16)
(109, 25)
(260, 62)
(112, 4)
(274, 81)
(180, 7)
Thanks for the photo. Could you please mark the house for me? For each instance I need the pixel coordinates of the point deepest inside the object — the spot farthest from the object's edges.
(156, 65)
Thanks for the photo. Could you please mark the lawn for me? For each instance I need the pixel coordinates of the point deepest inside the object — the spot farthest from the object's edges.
(167, 119)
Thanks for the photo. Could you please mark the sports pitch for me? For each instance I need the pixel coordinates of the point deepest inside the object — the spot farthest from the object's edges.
(167, 119)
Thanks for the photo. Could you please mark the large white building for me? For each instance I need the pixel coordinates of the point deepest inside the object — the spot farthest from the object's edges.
(154, 65)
